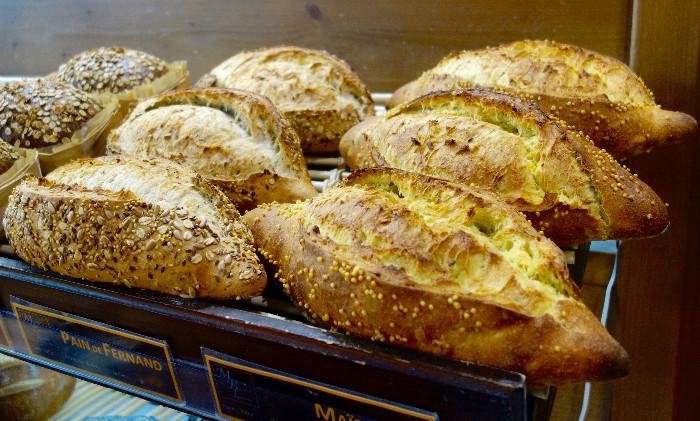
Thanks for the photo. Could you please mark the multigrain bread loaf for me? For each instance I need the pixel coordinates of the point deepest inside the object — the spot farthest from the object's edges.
(428, 264)
(317, 92)
(596, 94)
(145, 223)
(236, 139)
(29, 392)
(123, 74)
(572, 191)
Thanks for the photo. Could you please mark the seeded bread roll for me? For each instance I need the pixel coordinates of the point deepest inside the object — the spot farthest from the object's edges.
(145, 223)
(236, 139)
(428, 264)
(122, 73)
(317, 92)
(29, 392)
(596, 94)
(572, 191)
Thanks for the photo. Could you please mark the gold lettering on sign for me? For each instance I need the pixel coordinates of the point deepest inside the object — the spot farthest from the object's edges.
(329, 414)
(108, 351)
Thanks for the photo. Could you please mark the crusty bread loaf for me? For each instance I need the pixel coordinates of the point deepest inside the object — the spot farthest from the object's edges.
(569, 189)
(317, 92)
(29, 392)
(38, 113)
(424, 263)
(596, 94)
(236, 139)
(146, 223)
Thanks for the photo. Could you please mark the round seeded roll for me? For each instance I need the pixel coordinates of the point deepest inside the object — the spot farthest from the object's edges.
(317, 92)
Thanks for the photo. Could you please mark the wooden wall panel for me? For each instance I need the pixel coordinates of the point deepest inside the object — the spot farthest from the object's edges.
(660, 278)
(389, 42)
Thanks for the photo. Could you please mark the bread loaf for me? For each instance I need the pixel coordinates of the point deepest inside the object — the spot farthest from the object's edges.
(424, 263)
(144, 223)
(569, 189)
(29, 392)
(123, 74)
(317, 92)
(596, 94)
(38, 113)
(235, 139)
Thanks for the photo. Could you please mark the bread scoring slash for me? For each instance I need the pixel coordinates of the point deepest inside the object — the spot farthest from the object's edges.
(427, 264)
(145, 223)
(571, 190)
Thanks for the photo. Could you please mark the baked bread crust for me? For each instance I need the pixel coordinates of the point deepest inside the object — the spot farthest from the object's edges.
(38, 113)
(569, 189)
(317, 92)
(596, 94)
(128, 74)
(144, 223)
(236, 139)
(8, 156)
(428, 264)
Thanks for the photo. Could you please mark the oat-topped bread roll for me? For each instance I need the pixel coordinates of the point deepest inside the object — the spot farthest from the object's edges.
(128, 74)
(236, 139)
(8, 156)
(29, 392)
(569, 189)
(596, 94)
(59, 120)
(428, 264)
(317, 92)
(146, 223)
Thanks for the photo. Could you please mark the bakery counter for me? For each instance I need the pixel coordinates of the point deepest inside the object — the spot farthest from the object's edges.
(248, 359)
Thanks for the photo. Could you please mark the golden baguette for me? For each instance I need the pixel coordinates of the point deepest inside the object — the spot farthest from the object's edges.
(569, 189)
(317, 92)
(596, 94)
(144, 223)
(424, 263)
(236, 139)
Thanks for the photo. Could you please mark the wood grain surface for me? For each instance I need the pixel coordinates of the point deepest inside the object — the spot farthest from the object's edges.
(659, 278)
(388, 42)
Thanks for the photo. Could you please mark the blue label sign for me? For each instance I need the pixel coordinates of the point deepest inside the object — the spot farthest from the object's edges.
(94, 348)
(244, 390)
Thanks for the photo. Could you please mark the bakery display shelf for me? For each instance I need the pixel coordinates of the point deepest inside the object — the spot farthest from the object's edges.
(318, 367)
(249, 359)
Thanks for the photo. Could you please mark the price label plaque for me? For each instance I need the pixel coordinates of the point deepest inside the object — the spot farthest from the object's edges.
(94, 348)
(247, 391)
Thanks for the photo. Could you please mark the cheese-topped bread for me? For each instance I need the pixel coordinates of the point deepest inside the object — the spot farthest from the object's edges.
(596, 94)
(570, 190)
(317, 92)
(235, 139)
(145, 223)
(424, 263)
